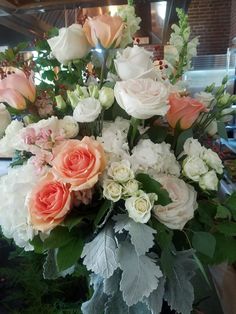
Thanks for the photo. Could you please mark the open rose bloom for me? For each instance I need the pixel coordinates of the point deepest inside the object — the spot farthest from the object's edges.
(111, 168)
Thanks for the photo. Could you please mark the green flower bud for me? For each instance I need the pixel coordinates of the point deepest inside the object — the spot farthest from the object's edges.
(93, 91)
(106, 97)
(233, 99)
(220, 90)
(81, 92)
(224, 100)
(30, 119)
(73, 98)
(61, 105)
(225, 80)
(210, 88)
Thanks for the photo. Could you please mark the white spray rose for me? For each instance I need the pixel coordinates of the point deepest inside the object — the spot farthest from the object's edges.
(194, 167)
(130, 188)
(121, 171)
(139, 207)
(192, 147)
(209, 181)
(87, 110)
(204, 98)
(135, 62)
(69, 126)
(213, 160)
(112, 190)
(70, 44)
(106, 97)
(142, 98)
(5, 119)
(176, 214)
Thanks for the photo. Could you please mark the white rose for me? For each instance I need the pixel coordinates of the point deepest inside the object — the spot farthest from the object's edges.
(192, 147)
(121, 171)
(204, 98)
(134, 62)
(5, 119)
(70, 44)
(130, 188)
(209, 181)
(194, 167)
(112, 190)
(213, 160)
(139, 207)
(87, 110)
(176, 214)
(69, 126)
(106, 97)
(142, 98)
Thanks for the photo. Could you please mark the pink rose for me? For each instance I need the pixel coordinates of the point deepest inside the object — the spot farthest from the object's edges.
(48, 203)
(79, 162)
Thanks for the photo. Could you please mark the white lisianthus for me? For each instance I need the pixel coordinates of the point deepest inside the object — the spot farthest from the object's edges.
(149, 156)
(69, 126)
(130, 188)
(213, 160)
(204, 98)
(192, 147)
(134, 62)
(194, 167)
(209, 181)
(142, 98)
(212, 128)
(112, 190)
(227, 114)
(12, 139)
(72, 37)
(139, 207)
(14, 216)
(106, 97)
(87, 110)
(5, 119)
(176, 214)
(120, 171)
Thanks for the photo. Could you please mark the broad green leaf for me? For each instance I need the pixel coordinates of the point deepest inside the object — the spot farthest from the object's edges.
(102, 211)
(69, 254)
(225, 249)
(231, 204)
(200, 266)
(100, 255)
(140, 274)
(221, 130)
(204, 243)
(37, 244)
(72, 221)
(150, 185)
(57, 238)
(141, 235)
(157, 134)
(181, 140)
(227, 228)
(222, 212)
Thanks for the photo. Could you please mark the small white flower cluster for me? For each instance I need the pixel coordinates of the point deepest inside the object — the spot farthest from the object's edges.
(201, 165)
(121, 184)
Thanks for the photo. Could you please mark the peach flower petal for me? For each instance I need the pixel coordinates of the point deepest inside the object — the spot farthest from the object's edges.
(12, 98)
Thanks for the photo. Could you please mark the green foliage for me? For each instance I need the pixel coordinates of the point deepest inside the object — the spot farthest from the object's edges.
(69, 254)
(204, 243)
(102, 211)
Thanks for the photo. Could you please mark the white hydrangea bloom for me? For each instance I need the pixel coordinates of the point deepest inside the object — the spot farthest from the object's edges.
(14, 188)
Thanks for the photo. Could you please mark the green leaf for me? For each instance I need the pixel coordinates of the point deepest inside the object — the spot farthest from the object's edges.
(69, 254)
(50, 270)
(181, 140)
(222, 212)
(167, 262)
(37, 244)
(72, 221)
(221, 130)
(227, 228)
(102, 211)
(157, 134)
(57, 238)
(231, 204)
(204, 242)
(200, 266)
(150, 185)
(225, 249)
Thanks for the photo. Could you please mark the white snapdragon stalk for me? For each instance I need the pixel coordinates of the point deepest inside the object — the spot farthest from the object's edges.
(194, 167)
(112, 190)
(121, 171)
(209, 181)
(139, 207)
(87, 110)
(213, 160)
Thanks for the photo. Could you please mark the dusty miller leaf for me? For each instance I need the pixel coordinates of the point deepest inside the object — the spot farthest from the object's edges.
(111, 284)
(100, 255)
(141, 234)
(155, 299)
(179, 291)
(97, 303)
(50, 270)
(140, 274)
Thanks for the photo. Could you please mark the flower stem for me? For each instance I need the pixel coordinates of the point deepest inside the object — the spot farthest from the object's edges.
(104, 68)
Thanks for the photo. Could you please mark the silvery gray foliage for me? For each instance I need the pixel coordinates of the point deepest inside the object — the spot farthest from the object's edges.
(141, 234)
(50, 270)
(111, 284)
(179, 291)
(155, 299)
(140, 274)
(100, 255)
(97, 303)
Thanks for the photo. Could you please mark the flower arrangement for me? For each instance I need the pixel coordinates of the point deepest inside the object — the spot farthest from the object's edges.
(110, 169)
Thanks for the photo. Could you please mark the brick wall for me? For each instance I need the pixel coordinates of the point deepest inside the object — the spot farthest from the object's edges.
(210, 19)
(233, 22)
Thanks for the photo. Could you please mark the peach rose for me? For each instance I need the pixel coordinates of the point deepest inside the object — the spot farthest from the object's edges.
(79, 162)
(184, 110)
(105, 30)
(48, 203)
